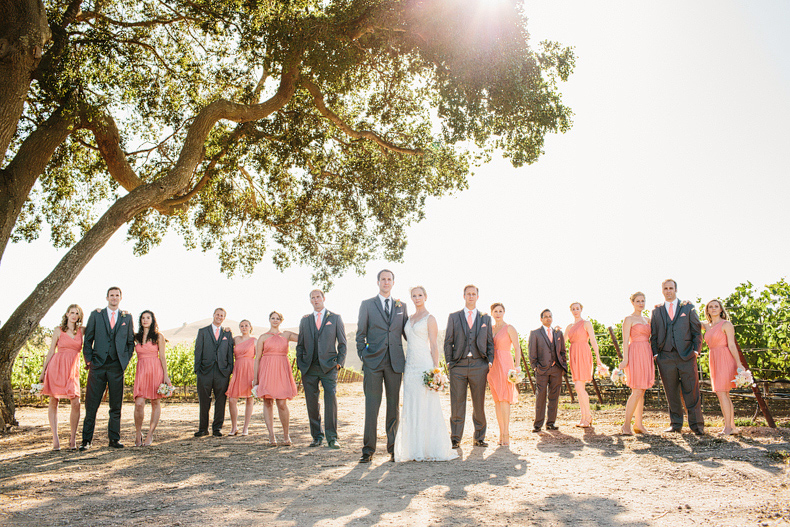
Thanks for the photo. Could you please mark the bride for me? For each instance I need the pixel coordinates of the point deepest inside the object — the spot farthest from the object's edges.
(422, 433)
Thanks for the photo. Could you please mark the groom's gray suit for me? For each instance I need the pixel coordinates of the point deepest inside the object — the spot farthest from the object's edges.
(380, 347)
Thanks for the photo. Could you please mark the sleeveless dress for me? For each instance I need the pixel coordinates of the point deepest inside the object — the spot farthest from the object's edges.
(501, 388)
(62, 378)
(149, 373)
(275, 377)
(580, 353)
(640, 372)
(723, 367)
(422, 433)
(243, 369)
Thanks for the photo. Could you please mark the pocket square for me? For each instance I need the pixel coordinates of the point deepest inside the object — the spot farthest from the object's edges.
(328, 323)
(399, 313)
(224, 338)
(483, 326)
(682, 314)
(123, 324)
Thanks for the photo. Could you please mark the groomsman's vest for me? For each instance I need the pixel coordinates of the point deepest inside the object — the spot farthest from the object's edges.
(553, 348)
(471, 337)
(669, 342)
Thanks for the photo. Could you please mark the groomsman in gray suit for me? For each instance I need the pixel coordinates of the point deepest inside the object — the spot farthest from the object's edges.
(380, 333)
(107, 347)
(469, 353)
(547, 358)
(320, 353)
(213, 366)
(676, 339)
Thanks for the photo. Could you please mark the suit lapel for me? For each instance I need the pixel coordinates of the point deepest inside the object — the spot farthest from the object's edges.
(106, 318)
(311, 324)
(546, 337)
(478, 322)
(323, 322)
(210, 329)
(377, 301)
(464, 325)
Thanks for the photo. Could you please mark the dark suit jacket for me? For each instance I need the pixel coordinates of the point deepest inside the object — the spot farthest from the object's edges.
(686, 330)
(540, 350)
(329, 342)
(376, 336)
(457, 331)
(210, 351)
(98, 336)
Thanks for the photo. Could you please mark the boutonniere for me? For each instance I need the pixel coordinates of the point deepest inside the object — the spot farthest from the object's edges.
(398, 303)
(124, 313)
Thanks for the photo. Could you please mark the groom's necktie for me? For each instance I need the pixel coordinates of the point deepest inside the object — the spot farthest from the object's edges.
(469, 319)
(112, 320)
(672, 311)
(318, 320)
(216, 333)
(387, 311)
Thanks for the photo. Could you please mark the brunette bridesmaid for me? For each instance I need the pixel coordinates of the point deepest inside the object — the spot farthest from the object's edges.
(61, 372)
(243, 378)
(275, 380)
(151, 373)
(724, 359)
(580, 334)
(637, 363)
(503, 391)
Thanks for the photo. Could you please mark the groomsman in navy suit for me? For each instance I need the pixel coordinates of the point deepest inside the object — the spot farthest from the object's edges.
(213, 366)
(320, 353)
(107, 347)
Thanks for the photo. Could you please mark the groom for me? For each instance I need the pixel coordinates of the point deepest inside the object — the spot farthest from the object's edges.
(676, 339)
(469, 352)
(380, 346)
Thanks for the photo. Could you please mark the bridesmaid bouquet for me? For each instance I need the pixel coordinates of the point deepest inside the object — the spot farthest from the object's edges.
(435, 380)
(744, 378)
(255, 391)
(165, 389)
(618, 377)
(515, 376)
(35, 389)
(602, 371)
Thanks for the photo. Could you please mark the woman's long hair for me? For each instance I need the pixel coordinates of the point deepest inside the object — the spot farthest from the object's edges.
(64, 323)
(153, 331)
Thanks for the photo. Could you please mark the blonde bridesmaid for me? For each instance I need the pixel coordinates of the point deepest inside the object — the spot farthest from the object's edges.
(580, 334)
(503, 391)
(150, 375)
(61, 372)
(243, 378)
(274, 376)
(637, 363)
(724, 359)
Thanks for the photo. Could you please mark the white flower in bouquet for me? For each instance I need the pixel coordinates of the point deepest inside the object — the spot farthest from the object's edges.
(602, 371)
(255, 391)
(744, 379)
(435, 380)
(165, 389)
(618, 377)
(35, 389)
(515, 376)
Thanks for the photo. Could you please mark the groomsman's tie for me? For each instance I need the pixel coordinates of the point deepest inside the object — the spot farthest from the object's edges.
(112, 320)
(469, 319)
(672, 311)
(318, 320)
(548, 333)
(387, 311)
(216, 333)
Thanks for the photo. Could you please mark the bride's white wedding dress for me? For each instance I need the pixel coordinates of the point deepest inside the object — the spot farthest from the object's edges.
(422, 432)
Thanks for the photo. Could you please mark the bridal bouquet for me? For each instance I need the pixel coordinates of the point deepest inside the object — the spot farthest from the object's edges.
(618, 377)
(602, 371)
(35, 389)
(515, 376)
(435, 380)
(744, 378)
(165, 389)
(255, 391)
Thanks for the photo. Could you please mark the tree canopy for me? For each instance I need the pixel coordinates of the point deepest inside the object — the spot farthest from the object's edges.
(304, 128)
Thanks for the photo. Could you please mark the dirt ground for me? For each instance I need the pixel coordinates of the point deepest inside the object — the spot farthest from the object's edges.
(569, 477)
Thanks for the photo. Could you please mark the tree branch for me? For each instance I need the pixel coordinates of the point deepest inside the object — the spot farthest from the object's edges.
(91, 15)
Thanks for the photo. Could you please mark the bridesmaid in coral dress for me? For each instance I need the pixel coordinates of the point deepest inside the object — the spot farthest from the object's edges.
(151, 373)
(61, 372)
(578, 334)
(243, 378)
(637, 363)
(275, 380)
(724, 359)
(503, 391)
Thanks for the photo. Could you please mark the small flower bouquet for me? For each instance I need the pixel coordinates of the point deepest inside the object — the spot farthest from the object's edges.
(165, 390)
(602, 371)
(515, 376)
(35, 389)
(255, 391)
(435, 380)
(618, 377)
(744, 378)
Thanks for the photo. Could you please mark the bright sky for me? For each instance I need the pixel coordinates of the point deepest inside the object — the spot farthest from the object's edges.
(676, 166)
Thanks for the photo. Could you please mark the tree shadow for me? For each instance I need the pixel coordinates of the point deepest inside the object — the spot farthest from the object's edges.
(566, 445)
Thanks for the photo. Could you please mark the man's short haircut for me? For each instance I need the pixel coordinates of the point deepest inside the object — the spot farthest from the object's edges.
(221, 309)
(318, 291)
(544, 311)
(378, 276)
(471, 285)
(670, 280)
(114, 288)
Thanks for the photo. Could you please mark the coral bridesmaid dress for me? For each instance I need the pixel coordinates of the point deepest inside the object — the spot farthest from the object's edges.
(501, 388)
(640, 372)
(243, 369)
(723, 367)
(62, 378)
(580, 352)
(275, 378)
(149, 371)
